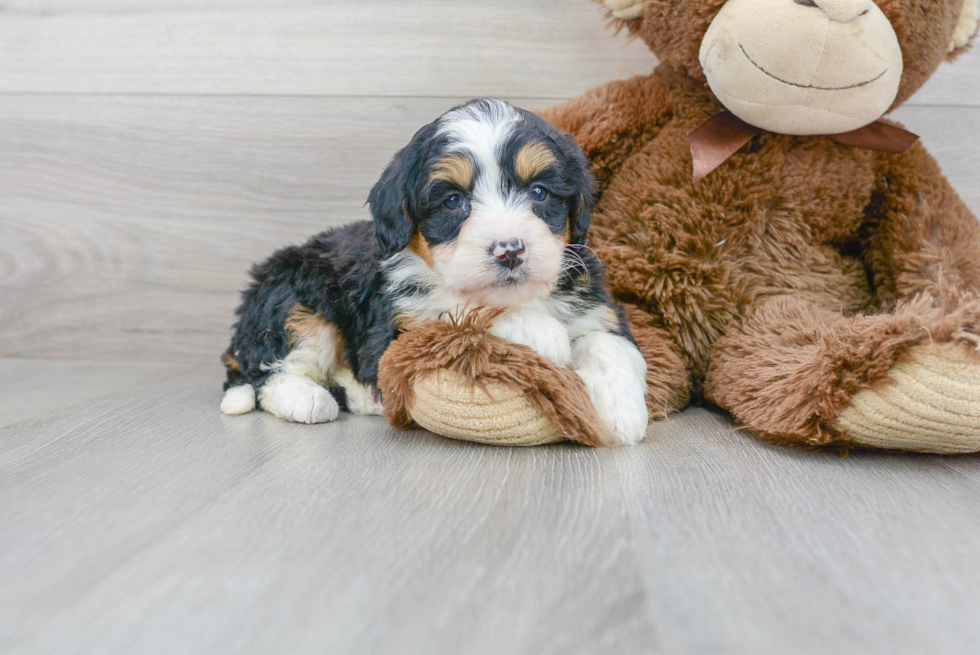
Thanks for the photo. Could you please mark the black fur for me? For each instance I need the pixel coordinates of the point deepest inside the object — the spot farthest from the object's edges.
(582, 287)
(393, 199)
(336, 274)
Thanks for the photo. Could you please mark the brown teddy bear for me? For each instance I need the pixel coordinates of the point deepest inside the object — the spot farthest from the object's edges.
(824, 290)
(821, 288)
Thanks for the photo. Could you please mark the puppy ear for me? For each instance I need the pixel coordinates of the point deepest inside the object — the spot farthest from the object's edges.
(392, 226)
(392, 199)
(581, 177)
(578, 218)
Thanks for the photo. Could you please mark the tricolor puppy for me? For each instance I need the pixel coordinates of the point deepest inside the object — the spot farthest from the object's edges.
(486, 206)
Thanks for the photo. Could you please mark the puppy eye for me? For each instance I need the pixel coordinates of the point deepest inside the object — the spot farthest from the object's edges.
(454, 201)
(538, 193)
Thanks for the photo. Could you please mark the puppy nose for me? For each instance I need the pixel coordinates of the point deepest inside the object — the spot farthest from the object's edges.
(841, 11)
(509, 253)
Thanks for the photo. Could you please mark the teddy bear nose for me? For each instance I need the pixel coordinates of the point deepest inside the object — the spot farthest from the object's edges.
(841, 11)
(509, 253)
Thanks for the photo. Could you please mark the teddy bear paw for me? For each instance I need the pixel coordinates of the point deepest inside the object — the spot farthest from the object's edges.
(930, 402)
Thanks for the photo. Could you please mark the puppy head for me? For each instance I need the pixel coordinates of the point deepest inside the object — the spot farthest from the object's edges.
(488, 196)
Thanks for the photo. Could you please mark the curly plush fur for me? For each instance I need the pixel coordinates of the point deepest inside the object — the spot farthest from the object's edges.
(798, 273)
(466, 348)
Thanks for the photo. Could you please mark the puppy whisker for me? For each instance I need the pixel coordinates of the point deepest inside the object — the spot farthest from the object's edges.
(574, 265)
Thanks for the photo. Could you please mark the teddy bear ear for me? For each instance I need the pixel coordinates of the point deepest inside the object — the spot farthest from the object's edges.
(966, 27)
(625, 9)
(624, 14)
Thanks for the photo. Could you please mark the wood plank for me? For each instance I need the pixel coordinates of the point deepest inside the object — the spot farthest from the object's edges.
(537, 48)
(33, 390)
(954, 83)
(751, 548)
(148, 522)
(128, 223)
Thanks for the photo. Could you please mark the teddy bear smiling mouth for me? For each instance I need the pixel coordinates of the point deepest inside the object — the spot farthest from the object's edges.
(810, 86)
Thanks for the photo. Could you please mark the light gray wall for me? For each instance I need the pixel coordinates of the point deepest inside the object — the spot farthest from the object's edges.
(150, 151)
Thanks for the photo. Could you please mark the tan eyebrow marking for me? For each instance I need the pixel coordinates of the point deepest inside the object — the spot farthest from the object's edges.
(457, 169)
(532, 159)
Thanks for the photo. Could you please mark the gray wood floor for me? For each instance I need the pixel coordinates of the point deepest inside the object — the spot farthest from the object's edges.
(150, 151)
(137, 519)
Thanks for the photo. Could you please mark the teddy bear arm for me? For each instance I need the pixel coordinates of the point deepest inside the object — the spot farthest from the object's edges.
(923, 237)
(609, 121)
(799, 374)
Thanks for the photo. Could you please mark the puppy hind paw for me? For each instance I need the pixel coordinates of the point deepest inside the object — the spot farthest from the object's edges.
(238, 400)
(298, 399)
(625, 9)
(375, 404)
(367, 400)
(361, 398)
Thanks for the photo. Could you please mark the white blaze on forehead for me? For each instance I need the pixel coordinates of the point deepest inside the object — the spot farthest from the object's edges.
(480, 131)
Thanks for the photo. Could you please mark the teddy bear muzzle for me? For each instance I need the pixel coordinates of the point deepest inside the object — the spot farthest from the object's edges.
(803, 66)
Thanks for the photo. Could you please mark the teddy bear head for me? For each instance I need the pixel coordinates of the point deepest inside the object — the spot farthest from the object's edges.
(803, 66)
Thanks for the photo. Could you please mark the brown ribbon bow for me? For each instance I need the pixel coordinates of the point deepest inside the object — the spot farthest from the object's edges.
(722, 135)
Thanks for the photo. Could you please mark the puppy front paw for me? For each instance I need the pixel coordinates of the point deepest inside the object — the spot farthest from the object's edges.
(615, 375)
(622, 411)
(558, 351)
(541, 333)
(298, 399)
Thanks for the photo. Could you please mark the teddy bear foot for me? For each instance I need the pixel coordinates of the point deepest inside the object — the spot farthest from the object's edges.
(930, 402)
